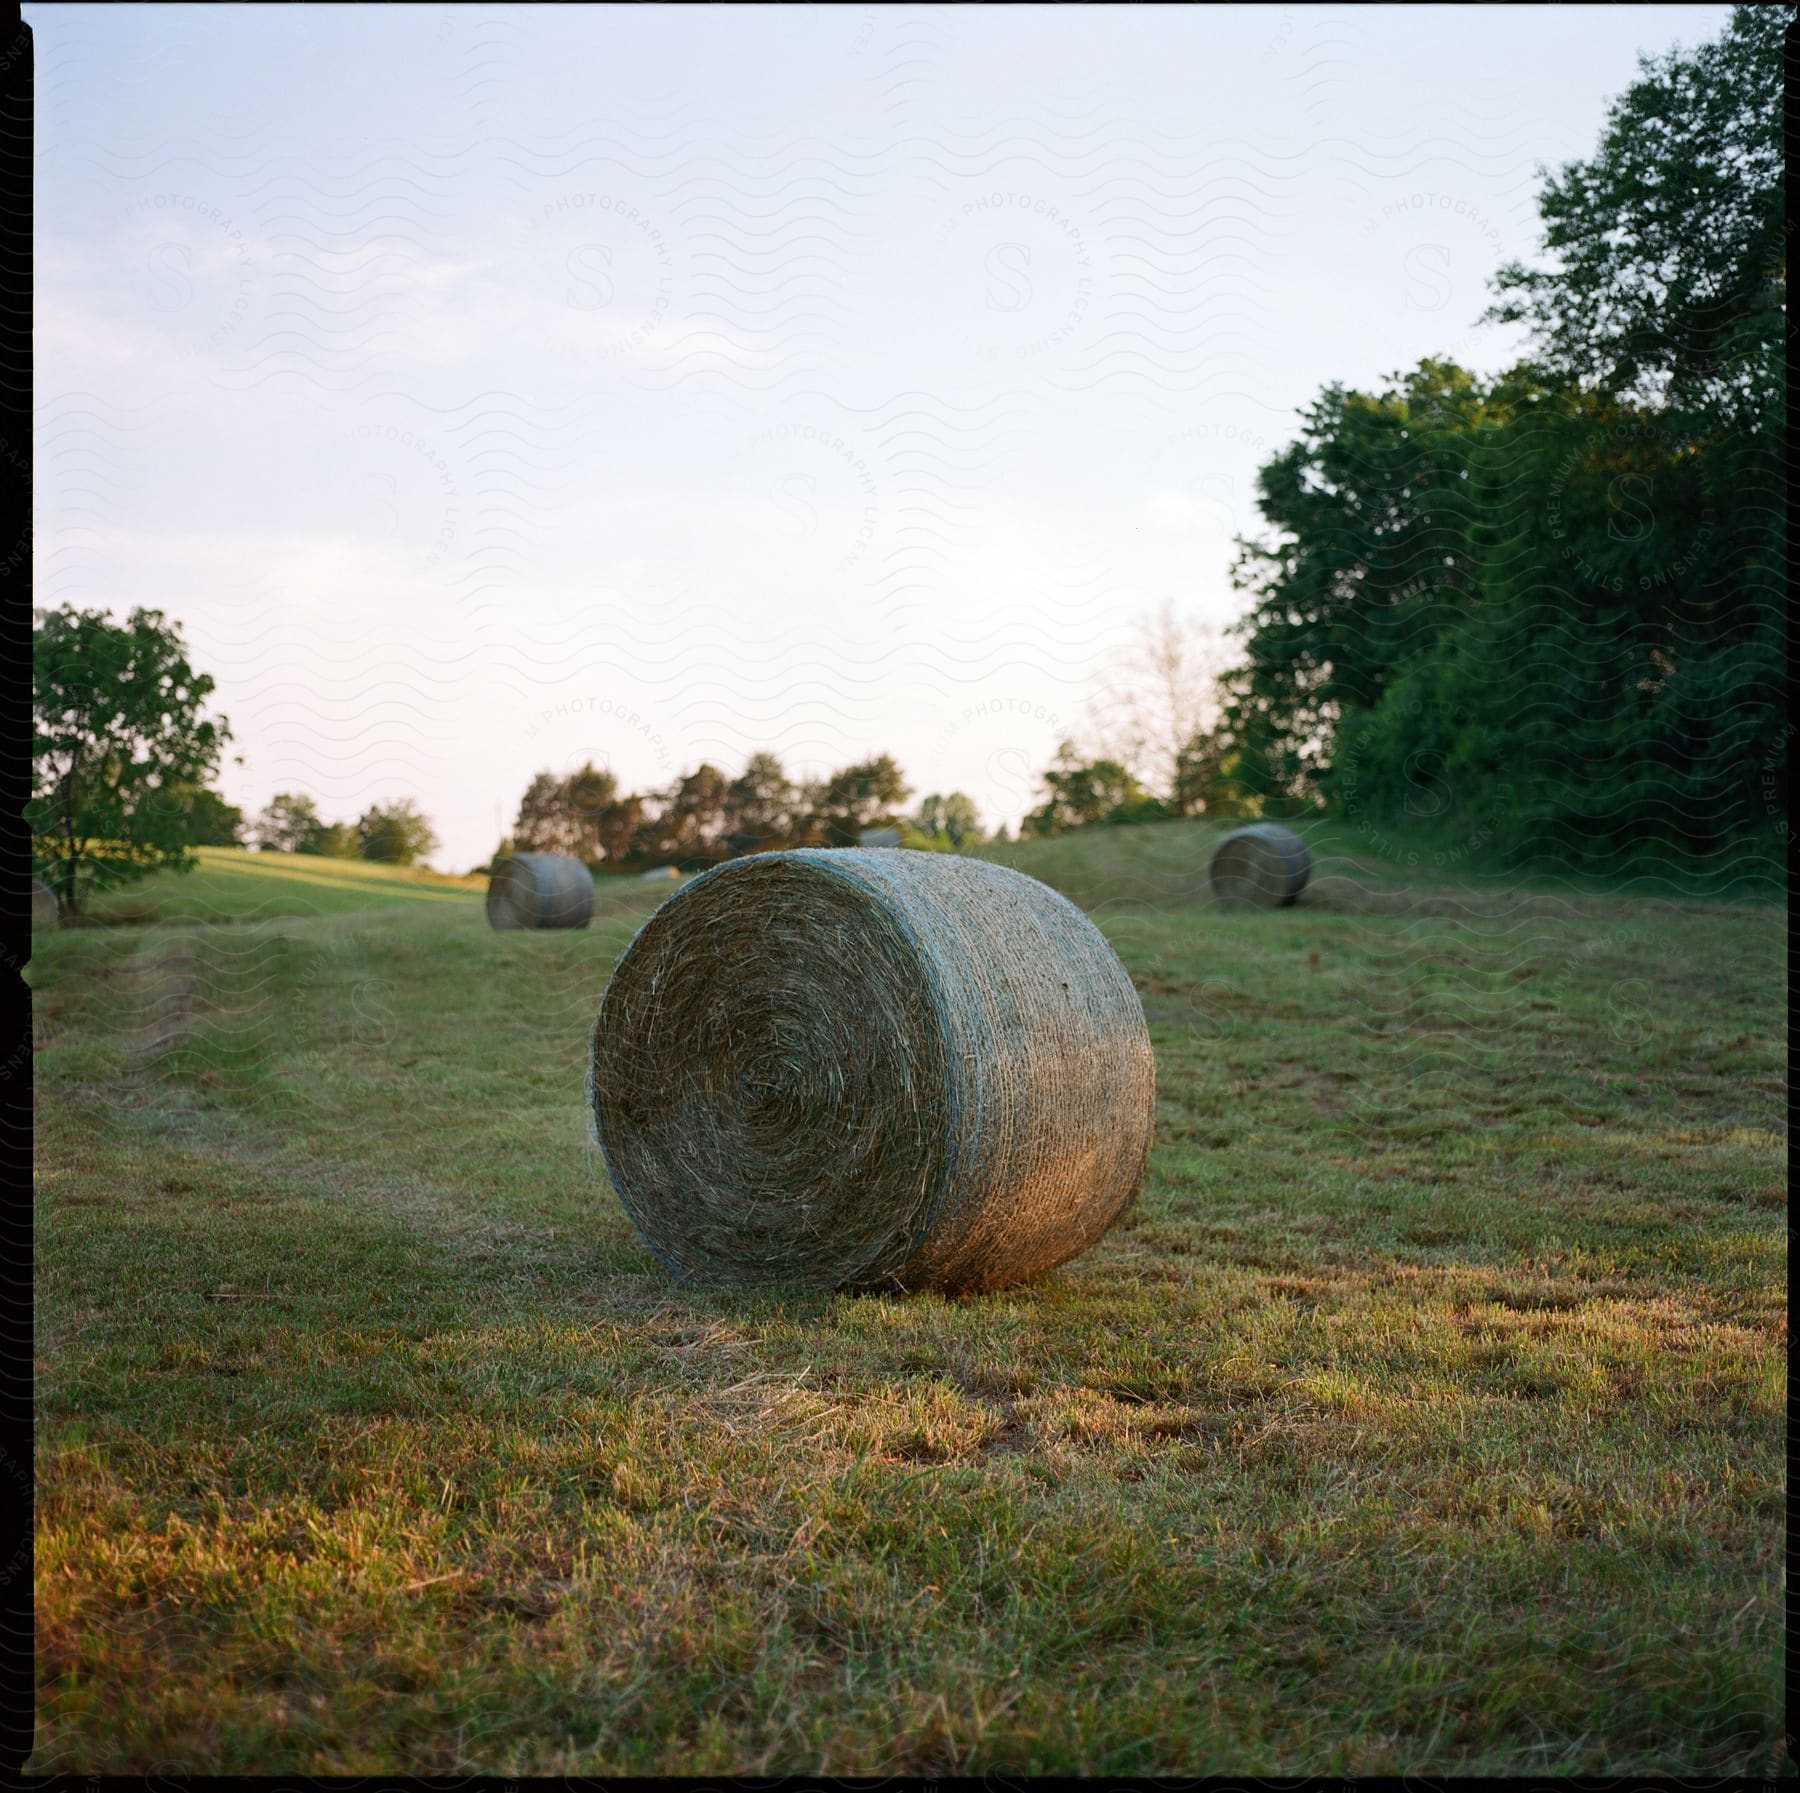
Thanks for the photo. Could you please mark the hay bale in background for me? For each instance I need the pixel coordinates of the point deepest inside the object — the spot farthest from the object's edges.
(847, 1068)
(1262, 864)
(540, 890)
(46, 911)
(879, 837)
(662, 874)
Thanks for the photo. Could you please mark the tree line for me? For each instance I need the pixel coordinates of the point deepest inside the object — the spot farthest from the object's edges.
(707, 815)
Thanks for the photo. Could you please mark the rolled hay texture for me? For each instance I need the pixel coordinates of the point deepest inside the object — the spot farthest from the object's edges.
(540, 890)
(1262, 864)
(45, 909)
(855, 1068)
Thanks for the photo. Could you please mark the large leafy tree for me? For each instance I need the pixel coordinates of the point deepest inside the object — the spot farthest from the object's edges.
(1370, 557)
(1668, 281)
(120, 743)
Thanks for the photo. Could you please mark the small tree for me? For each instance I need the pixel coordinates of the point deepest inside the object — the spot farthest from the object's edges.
(337, 840)
(119, 744)
(396, 834)
(290, 824)
(953, 819)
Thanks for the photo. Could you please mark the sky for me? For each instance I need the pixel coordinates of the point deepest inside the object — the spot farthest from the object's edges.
(489, 390)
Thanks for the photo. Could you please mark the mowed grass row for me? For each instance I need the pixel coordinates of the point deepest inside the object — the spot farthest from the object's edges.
(1426, 1415)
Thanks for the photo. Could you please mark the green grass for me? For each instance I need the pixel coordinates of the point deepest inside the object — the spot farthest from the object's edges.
(1425, 1416)
(230, 885)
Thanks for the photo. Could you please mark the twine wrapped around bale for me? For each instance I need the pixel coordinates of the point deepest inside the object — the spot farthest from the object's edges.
(540, 890)
(1262, 864)
(46, 911)
(850, 1068)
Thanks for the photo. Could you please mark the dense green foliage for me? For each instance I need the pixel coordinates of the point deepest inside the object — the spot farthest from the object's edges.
(212, 822)
(1545, 612)
(121, 750)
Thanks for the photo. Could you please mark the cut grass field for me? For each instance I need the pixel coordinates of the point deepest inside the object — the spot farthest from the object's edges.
(1426, 1414)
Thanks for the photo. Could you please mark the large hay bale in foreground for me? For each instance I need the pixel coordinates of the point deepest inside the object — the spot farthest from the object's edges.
(854, 1068)
(1262, 864)
(540, 890)
(46, 911)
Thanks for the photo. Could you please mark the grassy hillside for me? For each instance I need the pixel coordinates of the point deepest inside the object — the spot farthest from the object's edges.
(230, 885)
(1426, 1415)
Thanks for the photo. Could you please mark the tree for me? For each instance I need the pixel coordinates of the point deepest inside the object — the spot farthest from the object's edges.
(693, 817)
(1204, 785)
(1157, 697)
(1083, 792)
(548, 821)
(212, 822)
(289, 824)
(614, 826)
(590, 793)
(1371, 559)
(1670, 242)
(954, 819)
(562, 814)
(395, 834)
(866, 795)
(759, 807)
(119, 742)
(337, 840)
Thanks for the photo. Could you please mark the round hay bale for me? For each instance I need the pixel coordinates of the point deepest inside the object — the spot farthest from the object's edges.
(850, 1068)
(540, 890)
(1263, 864)
(46, 911)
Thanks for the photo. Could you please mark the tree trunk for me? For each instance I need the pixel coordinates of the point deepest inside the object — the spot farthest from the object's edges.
(68, 865)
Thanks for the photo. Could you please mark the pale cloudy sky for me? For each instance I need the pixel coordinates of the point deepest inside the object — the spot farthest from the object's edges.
(493, 389)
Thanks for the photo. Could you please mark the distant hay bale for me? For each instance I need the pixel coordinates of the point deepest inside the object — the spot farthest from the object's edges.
(540, 890)
(662, 874)
(879, 837)
(46, 911)
(844, 1068)
(1263, 864)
